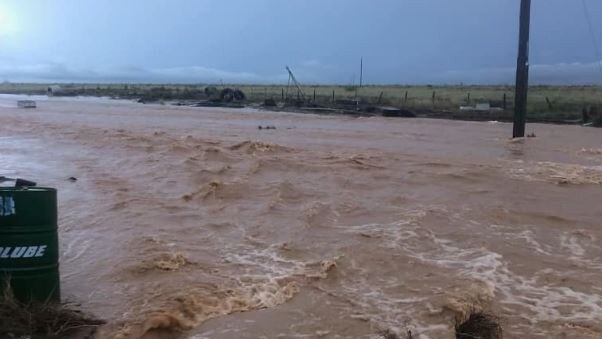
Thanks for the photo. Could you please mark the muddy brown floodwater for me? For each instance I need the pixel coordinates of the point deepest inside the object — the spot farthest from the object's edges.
(193, 223)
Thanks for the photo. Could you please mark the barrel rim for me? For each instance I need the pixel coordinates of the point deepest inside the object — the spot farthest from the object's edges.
(28, 189)
(28, 228)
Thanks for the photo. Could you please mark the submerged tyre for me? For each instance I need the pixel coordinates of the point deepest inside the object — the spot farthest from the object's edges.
(29, 243)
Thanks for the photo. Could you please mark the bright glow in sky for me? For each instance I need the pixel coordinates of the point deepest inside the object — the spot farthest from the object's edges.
(7, 21)
(402, 41)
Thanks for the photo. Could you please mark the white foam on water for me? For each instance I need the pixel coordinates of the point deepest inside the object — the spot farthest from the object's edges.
(571, 243)
(526, 297)
(267, 261)
(545, 303)
(555, 172)
(370, 300)
(391, 234)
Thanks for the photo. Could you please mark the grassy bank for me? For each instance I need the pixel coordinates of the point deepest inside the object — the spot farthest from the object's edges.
(546, 103)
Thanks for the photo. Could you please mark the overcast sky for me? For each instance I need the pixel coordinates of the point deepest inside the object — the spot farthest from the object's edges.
(199, 41)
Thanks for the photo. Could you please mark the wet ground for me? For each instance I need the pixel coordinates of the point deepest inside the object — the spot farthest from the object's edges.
(193, 223)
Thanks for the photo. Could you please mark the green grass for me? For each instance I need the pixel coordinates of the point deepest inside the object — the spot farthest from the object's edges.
(562, 103)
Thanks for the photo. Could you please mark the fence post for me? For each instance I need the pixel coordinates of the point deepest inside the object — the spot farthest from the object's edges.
(333, 96)
(550, 107)
(314, 95)
(405, 100)
(504, 102)
(433, 98)
(468, 98)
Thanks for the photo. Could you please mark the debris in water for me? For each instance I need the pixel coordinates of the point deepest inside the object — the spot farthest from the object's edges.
(479, 325)
(325, 267)
(388, 334)
(591, 151)
(558, 173)
(171, 262)
(43, 320)
(257, 146)
(269, 102)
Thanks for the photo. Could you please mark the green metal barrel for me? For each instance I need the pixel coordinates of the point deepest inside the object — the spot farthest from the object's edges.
(29, 243)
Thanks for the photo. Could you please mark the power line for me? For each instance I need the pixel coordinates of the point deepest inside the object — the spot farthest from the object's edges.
(592, 34)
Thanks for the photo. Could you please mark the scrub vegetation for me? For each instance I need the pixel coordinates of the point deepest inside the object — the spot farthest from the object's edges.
(43, 320)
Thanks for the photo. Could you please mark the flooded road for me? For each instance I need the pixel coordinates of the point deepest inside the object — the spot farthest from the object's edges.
(193, 223)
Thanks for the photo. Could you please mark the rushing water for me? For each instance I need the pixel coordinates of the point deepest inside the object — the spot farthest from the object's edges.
(193, 223)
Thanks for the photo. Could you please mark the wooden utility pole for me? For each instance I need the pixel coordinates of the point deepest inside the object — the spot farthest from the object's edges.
(522, 71)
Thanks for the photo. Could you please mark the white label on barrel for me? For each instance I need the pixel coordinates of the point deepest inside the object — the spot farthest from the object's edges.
(7, 206)
(22, 252)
